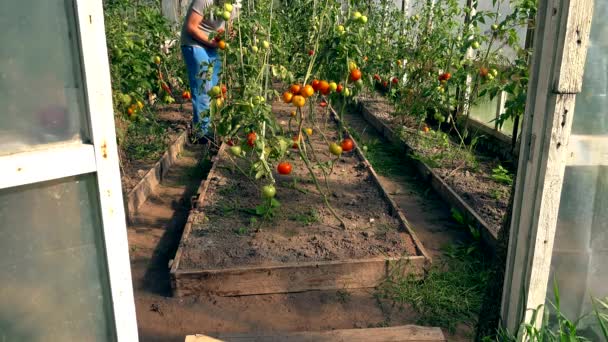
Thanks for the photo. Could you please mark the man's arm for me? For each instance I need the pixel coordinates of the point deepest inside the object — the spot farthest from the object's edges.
(194, 19)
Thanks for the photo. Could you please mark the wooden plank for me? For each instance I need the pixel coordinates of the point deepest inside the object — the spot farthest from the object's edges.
(295, 277)
(543, 154)
(148, 184)
(448, 194)
(406, 333)
(196, 203)
(572, 46)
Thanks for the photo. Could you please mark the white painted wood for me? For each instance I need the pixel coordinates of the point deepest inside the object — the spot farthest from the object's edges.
(543, 155)
(53, 162)
(99, 92)
(500, 107)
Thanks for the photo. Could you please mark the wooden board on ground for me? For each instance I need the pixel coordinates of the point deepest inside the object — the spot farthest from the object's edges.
(407, 333)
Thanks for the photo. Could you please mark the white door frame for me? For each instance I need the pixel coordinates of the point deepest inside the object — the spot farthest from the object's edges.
(561, 39)
(61, 160)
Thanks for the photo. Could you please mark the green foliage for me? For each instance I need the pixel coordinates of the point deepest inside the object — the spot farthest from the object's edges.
(554, 326)
(451, 292)
(502, 175)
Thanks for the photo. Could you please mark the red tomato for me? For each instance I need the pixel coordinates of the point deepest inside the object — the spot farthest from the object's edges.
(355, 75)
(339, 89)
(311, 52)
(295, 89)
(316, 84)
(251, 138)
(347, 145)
(323, 104)
(324, 87)
(284, 168)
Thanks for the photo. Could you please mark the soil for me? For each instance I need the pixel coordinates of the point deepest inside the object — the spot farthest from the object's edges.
(225, 235)
(471, 180)
(176, 118)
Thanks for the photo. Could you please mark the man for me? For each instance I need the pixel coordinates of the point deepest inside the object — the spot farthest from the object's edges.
(200, 52)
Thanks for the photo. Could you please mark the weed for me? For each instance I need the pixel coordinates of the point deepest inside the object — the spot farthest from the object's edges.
(496, 194)
(242, 231)
(343, 296)
(556, 327)
(502, 175)
(449, 295)
(307, 218)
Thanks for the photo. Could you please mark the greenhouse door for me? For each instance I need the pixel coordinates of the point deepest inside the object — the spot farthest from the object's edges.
(566, 242)
(64, 269)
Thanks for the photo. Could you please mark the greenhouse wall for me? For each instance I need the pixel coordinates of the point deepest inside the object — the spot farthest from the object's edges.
(580, 254)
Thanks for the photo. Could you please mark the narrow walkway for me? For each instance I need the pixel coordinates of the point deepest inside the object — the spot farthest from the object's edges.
(155, 235)
(428, 214)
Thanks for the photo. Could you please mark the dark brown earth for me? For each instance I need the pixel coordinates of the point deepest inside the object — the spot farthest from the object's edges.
(470, 178)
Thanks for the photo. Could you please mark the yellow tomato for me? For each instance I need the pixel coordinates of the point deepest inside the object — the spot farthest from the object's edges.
(298, 101)
(287, 97)
(307, 91)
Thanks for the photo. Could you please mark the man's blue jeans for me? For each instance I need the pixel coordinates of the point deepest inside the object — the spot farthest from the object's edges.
(197, 59)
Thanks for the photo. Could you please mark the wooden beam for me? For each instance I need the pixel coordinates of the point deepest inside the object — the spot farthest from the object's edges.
(407, 333)
(294, 277)
(562, 35)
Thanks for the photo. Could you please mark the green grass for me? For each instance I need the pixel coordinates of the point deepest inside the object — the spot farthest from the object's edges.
(385, 157)
(306, 218)
(451, 293)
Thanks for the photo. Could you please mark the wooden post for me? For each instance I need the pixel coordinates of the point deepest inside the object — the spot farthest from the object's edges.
(561, 40)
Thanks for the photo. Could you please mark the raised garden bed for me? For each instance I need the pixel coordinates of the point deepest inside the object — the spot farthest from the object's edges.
(226, 250)
(141, 175)
(471, 191)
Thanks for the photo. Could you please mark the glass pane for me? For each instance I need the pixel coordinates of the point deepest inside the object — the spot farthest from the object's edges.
(503, 7)
(580, 254)
(485, 111)
(41, 93)
(52, 269)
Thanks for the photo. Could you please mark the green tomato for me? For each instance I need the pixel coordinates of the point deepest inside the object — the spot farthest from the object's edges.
(335, 149)
(341, 28)
(357, 15)
(258, 100)
(236, 151)
(214, 91)
(475, 45)
(490, 77)
(494, 72)
(359, 83)
(364, 148)
(268, 191)
(126, 99)
(228, 7)
(363, 19)
(494, 27)
(226, 15)
(346, 92)
(254, 49)
(266, 44)
(333, 86)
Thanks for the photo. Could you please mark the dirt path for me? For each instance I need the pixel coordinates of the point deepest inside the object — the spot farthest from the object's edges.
(155, 236)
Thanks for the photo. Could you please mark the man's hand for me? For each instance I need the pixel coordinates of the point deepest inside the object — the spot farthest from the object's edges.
(194, 19)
